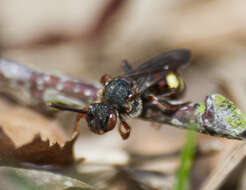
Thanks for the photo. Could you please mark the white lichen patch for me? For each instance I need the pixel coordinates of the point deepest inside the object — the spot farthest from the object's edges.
(76, 89)
(176, 122)
(87, 92)
(68, 183)
(12, 70)
(40, 81)
(59, 86)
(223, 117)
(47, 78)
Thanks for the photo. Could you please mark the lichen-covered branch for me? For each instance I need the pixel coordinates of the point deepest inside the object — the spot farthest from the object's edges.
(217, 116)
(43, 88)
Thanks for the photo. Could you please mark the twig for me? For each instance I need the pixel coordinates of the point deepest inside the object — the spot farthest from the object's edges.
(217, 116)
(43, 88)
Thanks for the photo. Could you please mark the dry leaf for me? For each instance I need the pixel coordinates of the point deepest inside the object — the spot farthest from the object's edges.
(22, 124)
(37, 151)
(28, 137)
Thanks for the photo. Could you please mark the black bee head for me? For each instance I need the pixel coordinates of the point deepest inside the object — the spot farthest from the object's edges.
(101, 118)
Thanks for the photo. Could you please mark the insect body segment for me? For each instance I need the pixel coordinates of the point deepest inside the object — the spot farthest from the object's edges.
(167, 84)
(125, 95)
(172, 80)
(121, 94)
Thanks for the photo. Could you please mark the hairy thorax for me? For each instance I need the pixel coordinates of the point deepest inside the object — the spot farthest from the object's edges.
(117, 93)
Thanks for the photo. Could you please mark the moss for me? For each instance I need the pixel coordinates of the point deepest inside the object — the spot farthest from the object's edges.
(221, 101)
(201, 108)
(236, 119)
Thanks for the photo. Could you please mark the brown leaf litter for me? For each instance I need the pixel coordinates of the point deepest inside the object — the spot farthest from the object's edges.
(28, 137)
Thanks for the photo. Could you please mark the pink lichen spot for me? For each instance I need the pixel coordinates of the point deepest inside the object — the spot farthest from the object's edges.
(51, 80)
(68, 85)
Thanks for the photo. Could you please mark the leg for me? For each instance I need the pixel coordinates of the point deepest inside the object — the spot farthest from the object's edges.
(78, 118)
(105, 78)
(174, 106)
(126, 67)
(124, 129)
(165, 105)
(81, 113)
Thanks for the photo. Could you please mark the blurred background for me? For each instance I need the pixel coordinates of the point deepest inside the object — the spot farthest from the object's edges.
(86, 39)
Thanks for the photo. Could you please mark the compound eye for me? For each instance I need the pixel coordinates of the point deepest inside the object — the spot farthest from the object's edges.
(111, 122)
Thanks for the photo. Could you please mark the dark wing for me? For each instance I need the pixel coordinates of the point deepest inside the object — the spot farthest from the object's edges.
(163, 63)
(167, 61)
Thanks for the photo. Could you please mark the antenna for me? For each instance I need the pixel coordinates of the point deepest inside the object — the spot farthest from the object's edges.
(64, 108)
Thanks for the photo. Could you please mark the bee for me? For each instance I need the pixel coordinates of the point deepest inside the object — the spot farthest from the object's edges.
(152, 83)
